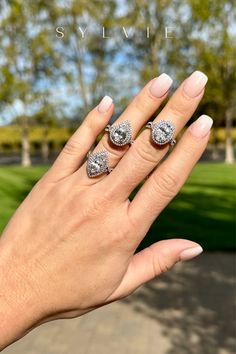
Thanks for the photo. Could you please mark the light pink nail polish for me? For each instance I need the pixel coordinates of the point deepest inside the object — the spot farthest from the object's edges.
(105, 104)
(190, 253)
(201, 127)
(195, 83)
(160, 85)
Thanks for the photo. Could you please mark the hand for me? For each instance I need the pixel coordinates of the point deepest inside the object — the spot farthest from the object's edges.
(70, 246)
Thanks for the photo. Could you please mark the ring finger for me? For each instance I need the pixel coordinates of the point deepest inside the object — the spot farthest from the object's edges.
(143, 156)
(142, 107)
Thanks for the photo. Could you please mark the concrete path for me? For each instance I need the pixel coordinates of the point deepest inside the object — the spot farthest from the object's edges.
(190, 310)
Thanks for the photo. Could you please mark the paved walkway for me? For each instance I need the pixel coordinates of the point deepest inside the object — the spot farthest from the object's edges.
(189, 310)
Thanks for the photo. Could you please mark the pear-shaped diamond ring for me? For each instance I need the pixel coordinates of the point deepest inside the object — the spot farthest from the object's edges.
(98, 163)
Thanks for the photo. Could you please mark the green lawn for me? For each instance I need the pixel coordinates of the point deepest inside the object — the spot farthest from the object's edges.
(204, 211)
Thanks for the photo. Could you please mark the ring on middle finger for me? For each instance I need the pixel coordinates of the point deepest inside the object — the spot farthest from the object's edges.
(120, 134)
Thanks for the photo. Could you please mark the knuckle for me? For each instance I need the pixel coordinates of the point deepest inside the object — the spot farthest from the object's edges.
(72, 147)
(117, 239)
(121, 234)
(188, 150)
(164, 261)
(165, 183)
(145, 151)
(142, 103)
(60, 192)
(95, 206)
(92, 126)
(177, 109)
(160, 262)
(89, 119)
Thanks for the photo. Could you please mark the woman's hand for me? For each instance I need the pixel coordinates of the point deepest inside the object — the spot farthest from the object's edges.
(70, 246)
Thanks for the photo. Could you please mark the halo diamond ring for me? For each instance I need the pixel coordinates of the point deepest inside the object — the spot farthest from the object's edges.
(98, 163)
(162, 132)
(120, 134)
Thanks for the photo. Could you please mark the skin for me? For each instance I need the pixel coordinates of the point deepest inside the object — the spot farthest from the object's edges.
(70, 246)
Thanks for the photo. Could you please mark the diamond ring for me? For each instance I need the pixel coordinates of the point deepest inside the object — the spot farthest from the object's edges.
(162, 132)
(120, 134)
(98, 163)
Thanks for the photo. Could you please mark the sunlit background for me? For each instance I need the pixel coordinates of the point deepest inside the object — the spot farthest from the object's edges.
(57, 60)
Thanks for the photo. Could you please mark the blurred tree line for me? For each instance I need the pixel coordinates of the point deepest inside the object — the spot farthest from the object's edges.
(58, 58)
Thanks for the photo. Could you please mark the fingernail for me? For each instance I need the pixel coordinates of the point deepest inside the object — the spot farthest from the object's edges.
(160, 85)
(195, 83)
(190, 253)
(201, 127)
(105, 104)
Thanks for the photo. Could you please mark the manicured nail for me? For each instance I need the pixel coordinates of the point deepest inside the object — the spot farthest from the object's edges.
(160, 85)
(190, 253)
(201, 127)
(195, 83)
(105, 104)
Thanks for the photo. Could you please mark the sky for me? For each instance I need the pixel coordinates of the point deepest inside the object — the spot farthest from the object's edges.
(67, 95)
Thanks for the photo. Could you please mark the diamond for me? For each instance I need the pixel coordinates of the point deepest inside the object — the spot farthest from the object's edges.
(121, 134)
(163, 132)
(97, 163)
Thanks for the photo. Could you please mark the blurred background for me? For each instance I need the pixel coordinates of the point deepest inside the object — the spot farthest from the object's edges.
(57, 60)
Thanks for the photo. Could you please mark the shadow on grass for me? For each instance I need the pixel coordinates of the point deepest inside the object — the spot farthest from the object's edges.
(18, 191)
(194, 304)
(15, 184)
(205, 218)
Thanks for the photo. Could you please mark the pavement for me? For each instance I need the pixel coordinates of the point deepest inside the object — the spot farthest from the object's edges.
(188, 310)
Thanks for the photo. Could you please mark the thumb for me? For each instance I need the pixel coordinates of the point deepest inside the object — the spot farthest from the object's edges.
(154, 260)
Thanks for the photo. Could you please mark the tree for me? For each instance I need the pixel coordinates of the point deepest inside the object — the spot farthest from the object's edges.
(203, 39)
(27, 60)
(46, 117)
(35, 60)
(84, 60)
(215, 52)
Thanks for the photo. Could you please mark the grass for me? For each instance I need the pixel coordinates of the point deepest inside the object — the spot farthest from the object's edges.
(15, 184)
(204, 211)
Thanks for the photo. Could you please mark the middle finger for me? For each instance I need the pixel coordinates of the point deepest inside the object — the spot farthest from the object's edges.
(143, 156)
(141, 108)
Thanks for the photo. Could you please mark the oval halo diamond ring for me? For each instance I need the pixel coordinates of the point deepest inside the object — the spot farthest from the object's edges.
(162, 132)
(120, 134)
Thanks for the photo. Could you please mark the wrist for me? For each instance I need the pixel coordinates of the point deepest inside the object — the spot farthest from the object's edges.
(19, 310)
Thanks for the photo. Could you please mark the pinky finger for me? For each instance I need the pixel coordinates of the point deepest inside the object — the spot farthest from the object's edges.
(75, 150)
